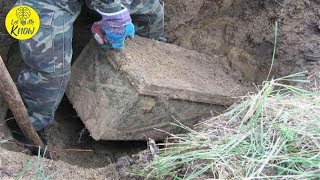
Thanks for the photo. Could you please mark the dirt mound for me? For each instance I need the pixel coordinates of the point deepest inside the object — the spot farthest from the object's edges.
(14, 164)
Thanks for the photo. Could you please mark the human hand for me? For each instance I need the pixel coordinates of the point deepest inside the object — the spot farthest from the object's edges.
(113, 29)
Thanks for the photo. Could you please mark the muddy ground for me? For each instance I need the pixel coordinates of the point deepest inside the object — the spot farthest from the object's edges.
(240, 30)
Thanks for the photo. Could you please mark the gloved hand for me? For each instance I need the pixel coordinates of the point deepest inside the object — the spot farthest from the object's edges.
(113, 29)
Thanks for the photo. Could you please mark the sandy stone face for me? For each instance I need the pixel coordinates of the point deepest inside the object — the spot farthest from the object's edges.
(125, 95)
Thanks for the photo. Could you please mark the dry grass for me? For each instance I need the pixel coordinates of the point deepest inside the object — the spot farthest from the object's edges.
(273, 134)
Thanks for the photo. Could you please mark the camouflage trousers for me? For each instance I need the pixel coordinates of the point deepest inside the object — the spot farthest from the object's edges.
(47, 56)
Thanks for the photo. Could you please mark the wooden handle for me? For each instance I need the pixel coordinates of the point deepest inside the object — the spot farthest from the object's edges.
(13, 98)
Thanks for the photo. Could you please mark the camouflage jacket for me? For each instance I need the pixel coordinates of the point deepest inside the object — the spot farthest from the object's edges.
(108, 6)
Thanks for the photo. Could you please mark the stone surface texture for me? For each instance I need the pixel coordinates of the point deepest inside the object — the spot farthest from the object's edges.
(139, 91)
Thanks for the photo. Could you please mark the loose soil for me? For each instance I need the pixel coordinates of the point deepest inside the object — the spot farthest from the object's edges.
(12, 164)
(240, 30)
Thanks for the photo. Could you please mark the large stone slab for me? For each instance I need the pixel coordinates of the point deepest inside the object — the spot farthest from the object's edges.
(126, 95)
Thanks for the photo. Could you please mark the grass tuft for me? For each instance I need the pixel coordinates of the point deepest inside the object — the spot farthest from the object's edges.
(271, 134)
(35, 170)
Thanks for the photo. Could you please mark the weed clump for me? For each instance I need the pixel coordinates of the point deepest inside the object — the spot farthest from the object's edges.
(274, 133)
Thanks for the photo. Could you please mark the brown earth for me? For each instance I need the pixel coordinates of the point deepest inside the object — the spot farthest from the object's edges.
(243, 31)
(14, 164)
(240, 30)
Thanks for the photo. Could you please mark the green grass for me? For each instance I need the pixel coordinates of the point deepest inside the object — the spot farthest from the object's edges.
(268, 135)
(34, 170)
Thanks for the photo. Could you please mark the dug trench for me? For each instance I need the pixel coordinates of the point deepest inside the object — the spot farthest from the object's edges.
(242, 31)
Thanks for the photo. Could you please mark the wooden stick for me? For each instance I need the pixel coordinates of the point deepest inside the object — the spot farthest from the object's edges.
(52, 149)
(13, 98)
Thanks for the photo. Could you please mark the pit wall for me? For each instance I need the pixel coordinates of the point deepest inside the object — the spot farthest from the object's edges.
(243, 31)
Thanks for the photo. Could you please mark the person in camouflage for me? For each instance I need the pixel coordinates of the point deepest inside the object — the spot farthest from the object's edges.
(47, 56)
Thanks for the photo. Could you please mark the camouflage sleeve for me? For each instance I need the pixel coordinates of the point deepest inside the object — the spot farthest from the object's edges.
(107, 6)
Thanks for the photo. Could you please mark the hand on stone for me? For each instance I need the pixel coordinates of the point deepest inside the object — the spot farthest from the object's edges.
(113, 29)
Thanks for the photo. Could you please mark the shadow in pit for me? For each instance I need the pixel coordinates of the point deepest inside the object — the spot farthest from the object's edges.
(68, 132)
(69, 141)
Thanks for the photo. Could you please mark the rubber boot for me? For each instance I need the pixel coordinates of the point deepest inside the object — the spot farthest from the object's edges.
(18, 135)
